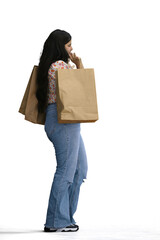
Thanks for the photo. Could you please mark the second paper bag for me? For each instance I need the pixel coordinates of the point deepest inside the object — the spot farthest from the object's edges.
(76, 95)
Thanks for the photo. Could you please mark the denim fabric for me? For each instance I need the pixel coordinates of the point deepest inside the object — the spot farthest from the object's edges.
(71, 169)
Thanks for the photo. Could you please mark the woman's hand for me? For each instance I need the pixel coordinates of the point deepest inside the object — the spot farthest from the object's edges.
(75, 59)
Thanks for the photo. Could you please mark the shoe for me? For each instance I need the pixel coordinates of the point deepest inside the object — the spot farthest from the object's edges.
(70, 228)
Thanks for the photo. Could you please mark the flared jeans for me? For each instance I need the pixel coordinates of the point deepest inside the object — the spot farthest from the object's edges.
(71, 169)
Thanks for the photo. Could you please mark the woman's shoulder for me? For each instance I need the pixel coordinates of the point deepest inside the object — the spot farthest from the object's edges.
(59, 64)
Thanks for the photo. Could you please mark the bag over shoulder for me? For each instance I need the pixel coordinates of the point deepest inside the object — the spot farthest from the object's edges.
(76, 95)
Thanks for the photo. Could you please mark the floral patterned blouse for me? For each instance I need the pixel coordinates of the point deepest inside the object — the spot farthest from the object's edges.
(52, 78)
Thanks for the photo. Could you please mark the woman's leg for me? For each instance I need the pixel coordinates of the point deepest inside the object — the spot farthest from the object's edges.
(80, 175)
(66, 141)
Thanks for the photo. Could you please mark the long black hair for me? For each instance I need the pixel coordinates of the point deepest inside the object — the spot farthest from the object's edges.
(53, 50)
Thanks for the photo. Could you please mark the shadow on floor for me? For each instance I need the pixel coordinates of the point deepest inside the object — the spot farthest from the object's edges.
(19, 231)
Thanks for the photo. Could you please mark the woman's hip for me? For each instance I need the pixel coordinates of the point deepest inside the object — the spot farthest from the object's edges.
(60, 130)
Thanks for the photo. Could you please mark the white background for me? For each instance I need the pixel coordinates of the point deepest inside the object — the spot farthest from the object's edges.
(121, 41)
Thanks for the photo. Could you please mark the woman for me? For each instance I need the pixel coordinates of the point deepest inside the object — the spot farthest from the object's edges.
(69, 148)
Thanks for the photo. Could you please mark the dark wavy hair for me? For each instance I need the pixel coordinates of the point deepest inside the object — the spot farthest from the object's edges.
(53, 50)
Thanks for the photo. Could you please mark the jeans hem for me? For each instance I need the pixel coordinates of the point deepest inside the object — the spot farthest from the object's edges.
(62, 226)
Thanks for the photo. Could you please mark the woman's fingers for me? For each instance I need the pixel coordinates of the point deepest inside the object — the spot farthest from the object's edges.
(74, 58)
(71, 56)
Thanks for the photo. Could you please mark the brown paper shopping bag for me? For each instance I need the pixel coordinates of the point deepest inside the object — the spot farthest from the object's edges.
(76, 95)
(29, 104)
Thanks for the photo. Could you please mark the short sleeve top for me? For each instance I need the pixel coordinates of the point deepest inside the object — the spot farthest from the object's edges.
(52, 78)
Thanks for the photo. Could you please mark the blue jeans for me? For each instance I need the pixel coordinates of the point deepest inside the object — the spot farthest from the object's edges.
(71, 169)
